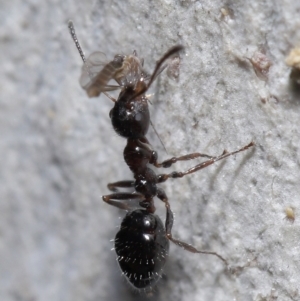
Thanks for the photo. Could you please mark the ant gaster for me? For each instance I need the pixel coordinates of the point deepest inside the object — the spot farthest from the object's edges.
(142, 243)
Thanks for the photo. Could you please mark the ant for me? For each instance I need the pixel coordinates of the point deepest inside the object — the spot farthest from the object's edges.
(142, 243)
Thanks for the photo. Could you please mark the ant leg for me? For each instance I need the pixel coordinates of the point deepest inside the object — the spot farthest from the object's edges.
(169, 162)
(147, 151)
(163, 177)
(109, 199)
(169, 224)
(120, 184)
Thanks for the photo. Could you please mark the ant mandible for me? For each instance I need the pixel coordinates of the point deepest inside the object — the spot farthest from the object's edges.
(142, 243)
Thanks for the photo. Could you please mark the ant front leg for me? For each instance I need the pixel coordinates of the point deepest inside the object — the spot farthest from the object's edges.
(163, 177)
(113, 199)
(169, 224)
(169, 162)
(146, 150)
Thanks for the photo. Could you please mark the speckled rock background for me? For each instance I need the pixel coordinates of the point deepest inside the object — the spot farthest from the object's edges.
(58, 150)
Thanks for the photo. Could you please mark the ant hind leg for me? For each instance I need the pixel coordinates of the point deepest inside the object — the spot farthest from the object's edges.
(169, 224)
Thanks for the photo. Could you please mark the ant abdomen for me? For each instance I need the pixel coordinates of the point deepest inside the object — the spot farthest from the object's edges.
(142, 248)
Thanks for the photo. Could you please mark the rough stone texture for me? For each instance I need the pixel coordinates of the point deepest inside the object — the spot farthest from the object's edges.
(58, 150)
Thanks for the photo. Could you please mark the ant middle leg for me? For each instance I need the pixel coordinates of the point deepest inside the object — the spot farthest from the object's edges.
(115, 198)
(163, 177)
(120, 184)
(169, 224)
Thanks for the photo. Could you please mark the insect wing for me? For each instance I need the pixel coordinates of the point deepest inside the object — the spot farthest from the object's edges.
(91, 68)
(96, 73)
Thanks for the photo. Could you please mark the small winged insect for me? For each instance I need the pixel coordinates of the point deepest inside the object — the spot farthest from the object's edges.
(96, 72)
(142, 243)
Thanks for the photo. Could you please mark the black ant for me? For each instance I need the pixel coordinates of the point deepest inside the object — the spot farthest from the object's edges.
(142, 243)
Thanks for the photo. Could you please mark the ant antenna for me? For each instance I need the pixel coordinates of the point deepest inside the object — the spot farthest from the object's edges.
(171, 51)
(74, 37)
(158, 136)
(157, 69)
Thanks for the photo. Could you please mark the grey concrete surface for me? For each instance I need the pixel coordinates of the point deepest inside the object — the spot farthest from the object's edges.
(58, 150)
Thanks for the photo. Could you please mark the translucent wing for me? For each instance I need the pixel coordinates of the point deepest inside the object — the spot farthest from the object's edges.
(92, 67)
(97, 72)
